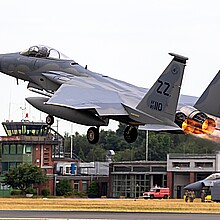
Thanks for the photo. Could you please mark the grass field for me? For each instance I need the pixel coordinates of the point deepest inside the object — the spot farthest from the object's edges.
(116, 205)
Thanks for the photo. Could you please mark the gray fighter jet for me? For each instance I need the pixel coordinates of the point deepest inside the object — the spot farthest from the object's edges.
(207, 182)
(74, 93)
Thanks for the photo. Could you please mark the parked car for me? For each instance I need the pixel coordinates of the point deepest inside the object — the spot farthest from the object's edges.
(157, 192)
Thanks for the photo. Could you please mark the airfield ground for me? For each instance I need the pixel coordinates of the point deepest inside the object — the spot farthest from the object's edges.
(115, 205)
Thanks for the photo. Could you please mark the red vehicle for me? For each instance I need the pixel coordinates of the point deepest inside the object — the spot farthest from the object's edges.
(157, 192)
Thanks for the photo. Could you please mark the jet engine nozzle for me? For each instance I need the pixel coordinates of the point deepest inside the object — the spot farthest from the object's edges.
(192, 121)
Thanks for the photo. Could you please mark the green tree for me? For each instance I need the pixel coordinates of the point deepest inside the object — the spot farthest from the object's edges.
(96, 153)
(93, 191)
(81, 154)
(24, 176)
(159, 145)
(67, 142)
(64, 188)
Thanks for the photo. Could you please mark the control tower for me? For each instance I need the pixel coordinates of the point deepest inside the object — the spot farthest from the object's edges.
(31, 142)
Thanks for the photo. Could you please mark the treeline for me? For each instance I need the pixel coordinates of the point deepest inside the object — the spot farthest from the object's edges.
(159, 144)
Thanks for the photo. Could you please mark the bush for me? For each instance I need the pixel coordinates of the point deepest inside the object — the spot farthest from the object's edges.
(64, 188)
(31, 191)
(16, 192)
(45, 192)
(79, 194)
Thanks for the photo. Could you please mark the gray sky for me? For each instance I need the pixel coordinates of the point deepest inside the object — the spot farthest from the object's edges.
(125, 39)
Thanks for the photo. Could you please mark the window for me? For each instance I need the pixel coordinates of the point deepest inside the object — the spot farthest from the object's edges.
(28, 149)
(84, 186)
(141, 169)
(203, 164)
(158, 169)
(122, 169)
(12, 149)
(181, 164)
(76, 185)
(4, 167)
(67, 170)
(5, 149)
(19, 149)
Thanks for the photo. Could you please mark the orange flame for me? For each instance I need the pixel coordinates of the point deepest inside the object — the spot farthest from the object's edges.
(208, 126)
(191, 126)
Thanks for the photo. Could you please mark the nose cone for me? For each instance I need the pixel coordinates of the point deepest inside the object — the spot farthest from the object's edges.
(194, 186)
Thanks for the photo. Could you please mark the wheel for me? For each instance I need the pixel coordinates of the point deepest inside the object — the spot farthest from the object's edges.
(93, 135)
(130, 134)
(151, 196)
(49, 119)
(165, 197)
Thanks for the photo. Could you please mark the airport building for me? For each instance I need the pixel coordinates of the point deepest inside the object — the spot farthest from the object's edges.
(183, 169)
(31, 142)
(131, 179)
(37, 143)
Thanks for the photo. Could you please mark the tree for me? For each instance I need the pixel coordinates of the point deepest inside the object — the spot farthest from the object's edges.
(93, 191)
(24, 176)
(64, 188)
(159, 144)
(96, 153)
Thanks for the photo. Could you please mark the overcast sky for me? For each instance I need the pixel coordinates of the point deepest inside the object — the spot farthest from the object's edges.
(125, 39)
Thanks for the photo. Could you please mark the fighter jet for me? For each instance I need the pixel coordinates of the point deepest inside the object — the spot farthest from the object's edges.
(74, 93)
(207, 182)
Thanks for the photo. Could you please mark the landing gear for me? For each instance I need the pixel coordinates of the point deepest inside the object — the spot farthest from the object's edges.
(49, 119)
(130, 134)
(93, 135)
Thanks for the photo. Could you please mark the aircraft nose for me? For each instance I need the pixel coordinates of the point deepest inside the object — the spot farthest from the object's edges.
(194, 186)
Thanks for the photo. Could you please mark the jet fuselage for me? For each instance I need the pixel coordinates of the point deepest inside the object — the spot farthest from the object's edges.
(85, 97)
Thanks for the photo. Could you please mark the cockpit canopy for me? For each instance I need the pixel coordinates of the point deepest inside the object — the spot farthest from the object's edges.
(213, 176)
(44, 52)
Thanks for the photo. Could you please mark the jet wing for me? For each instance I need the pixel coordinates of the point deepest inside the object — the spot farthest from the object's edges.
(85, 96)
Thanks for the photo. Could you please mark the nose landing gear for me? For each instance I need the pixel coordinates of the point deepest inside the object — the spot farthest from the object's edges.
(49, 119)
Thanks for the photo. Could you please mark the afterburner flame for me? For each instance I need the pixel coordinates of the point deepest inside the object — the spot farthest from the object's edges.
(208, 126)
(191, 126)
(188, 126)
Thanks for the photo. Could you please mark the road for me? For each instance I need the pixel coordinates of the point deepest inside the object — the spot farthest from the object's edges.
(13, 214)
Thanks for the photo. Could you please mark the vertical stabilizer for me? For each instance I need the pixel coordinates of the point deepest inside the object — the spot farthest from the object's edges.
(208, 101)
(161, 100)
